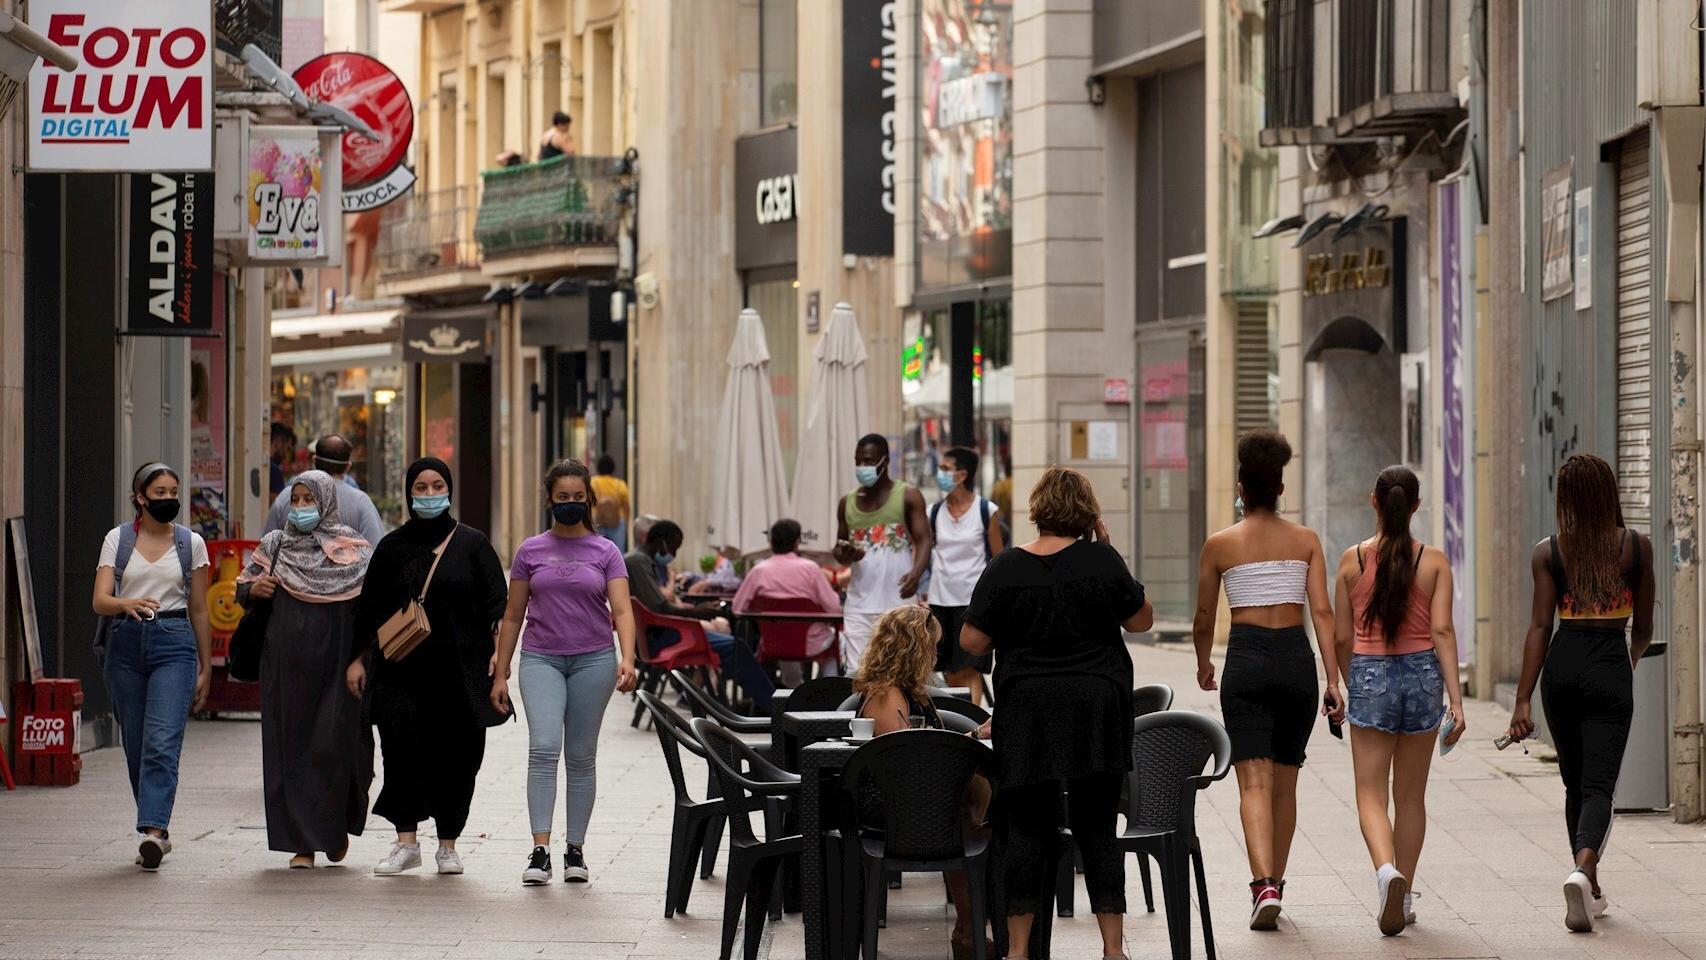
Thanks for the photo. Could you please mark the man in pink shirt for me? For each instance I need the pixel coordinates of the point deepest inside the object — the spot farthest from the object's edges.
(788, 576)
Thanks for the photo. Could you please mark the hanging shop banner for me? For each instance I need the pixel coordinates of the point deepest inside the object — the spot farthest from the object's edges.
(1457, 455)
(374, 174)
(1557, 214)
(868, 128)
(171, 255)
(141, 98)
(284, 194)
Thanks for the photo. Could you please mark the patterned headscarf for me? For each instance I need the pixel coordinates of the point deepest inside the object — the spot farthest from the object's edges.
(324, 565)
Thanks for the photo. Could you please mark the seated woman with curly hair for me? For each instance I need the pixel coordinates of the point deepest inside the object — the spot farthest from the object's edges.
(898, 662)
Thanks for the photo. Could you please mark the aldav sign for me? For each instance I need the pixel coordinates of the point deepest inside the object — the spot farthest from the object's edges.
(141, 99)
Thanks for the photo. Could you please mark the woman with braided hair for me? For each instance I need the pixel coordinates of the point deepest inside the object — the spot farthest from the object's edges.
(1596, 574)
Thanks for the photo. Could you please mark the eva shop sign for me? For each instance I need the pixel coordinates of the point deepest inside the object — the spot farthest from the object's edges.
(294, 184)
(141, 99)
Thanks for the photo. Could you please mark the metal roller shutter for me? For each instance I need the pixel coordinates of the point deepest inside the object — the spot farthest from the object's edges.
(1635, 332)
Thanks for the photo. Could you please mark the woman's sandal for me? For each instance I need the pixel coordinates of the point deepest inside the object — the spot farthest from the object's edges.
(302, 861)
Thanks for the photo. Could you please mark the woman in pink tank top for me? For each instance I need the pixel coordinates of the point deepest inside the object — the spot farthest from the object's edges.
(1398, 650)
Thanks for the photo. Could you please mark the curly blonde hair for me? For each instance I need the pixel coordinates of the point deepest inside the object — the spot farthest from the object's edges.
(901, 652)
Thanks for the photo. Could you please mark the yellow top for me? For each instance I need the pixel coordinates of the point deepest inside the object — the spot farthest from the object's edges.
(613, 499)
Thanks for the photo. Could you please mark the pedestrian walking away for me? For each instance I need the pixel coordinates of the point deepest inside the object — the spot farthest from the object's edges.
(313, 774)
(432, 706)
(1398, 652)
(333, 454)
(1597, 576)
(156, 646)
(1273, 571)
(569, 587)
(965, 531)
(884, 533)
(614, 504)
(663, 541)
(1055, 610)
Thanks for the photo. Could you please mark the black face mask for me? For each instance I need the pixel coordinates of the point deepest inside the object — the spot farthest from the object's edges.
(164, 511)
(571, 514)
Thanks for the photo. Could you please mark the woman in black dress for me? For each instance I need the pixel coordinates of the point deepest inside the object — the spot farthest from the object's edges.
(1053, 611)
(431, 707)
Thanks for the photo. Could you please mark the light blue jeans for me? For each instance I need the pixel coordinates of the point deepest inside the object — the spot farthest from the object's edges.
(150, 674)
(564, 697)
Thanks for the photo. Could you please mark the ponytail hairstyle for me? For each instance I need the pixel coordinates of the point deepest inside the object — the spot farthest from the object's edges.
(1589, 513)
(1396, 493)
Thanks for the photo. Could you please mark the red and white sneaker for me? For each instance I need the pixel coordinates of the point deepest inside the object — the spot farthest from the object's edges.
(1265, 897)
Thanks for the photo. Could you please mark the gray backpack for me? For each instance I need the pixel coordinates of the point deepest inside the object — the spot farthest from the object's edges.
(121, 559)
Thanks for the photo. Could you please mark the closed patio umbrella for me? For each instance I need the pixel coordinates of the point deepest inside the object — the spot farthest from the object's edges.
(838, 413)
(748, 488)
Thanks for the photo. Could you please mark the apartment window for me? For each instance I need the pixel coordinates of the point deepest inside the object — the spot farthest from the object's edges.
(552, 97)
(496, 114)
(779, 87)
(441, 163)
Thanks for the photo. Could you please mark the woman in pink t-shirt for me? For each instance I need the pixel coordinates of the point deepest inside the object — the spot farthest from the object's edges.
(570, 588)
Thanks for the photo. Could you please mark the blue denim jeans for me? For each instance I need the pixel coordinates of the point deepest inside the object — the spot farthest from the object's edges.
(150, 674)
(738, 662)
(564, 697)
(1397, 694)
(617, 534)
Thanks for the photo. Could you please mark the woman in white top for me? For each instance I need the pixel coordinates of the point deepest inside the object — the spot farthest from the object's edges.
(157, 646)
(1272, 569)
(967, 536)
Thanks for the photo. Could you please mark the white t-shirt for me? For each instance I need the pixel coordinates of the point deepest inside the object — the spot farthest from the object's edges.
(958, 559)
(161, 581)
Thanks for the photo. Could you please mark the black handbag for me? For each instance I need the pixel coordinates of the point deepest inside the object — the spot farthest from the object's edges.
(243, 655)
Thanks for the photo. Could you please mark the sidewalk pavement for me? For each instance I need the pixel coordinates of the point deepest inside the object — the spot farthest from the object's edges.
(1490, 879)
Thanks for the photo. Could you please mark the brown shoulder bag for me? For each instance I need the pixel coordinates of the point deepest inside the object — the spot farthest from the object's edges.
(404, 631)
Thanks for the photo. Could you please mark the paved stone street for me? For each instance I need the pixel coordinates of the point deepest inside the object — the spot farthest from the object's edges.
(1490, 877)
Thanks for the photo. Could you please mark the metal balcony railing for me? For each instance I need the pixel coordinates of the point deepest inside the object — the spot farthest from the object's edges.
(241, 22)
(1289, 62)
(426, 232)
(561, 202)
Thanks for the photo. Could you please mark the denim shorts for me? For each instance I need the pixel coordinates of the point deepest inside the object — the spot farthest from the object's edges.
(1397, 694)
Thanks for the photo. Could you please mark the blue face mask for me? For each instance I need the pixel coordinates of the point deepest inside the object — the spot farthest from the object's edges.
(429, 507)
(304, 519)
(945, 480)
(867, 476)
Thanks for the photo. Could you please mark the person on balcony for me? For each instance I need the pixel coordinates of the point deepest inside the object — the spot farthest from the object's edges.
(556, 142)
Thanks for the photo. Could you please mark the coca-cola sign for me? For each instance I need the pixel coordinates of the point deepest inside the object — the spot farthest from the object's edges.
(373, 169)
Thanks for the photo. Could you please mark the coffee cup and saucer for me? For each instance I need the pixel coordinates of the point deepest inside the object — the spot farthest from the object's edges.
(861, 730)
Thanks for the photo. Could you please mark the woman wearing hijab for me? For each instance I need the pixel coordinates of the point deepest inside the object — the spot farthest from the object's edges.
(431, 707)
(311, 740)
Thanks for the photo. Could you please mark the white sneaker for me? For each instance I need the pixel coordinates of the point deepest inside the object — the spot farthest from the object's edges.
(1578, 902)
(403, 856)
(1409, 908)
(1392, 889)
(150, 850)
(449, 862)
(1600, 905)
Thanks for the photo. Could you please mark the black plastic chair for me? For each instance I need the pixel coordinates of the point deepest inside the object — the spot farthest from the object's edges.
(963, 708)
(820, 693)
(919, 779)
(705, 706)
(1169, 751)
(1147, 699)
(695, 820)
(749, 784)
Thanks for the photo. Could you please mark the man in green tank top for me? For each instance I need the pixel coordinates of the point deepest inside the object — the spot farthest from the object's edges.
(884, 533)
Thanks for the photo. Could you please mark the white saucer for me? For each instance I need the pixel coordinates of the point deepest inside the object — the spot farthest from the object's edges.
(857, 740)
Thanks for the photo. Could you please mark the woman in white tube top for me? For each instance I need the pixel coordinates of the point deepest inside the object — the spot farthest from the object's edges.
(1272, 569)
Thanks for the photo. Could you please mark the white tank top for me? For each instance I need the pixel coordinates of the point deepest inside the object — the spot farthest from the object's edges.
(1267, 583)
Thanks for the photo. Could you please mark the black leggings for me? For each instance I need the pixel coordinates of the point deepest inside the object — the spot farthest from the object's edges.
(1588, 692)
(1032, 816)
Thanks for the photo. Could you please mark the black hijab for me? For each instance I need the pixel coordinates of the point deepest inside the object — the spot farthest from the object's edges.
(427, 532)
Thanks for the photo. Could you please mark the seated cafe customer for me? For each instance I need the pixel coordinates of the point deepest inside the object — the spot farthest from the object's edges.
(898, 663)
(786, 575)
(656, 553)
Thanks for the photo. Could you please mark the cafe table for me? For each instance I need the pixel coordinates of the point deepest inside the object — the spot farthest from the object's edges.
(820, 766)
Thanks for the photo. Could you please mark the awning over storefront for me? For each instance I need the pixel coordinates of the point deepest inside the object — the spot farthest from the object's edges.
(993, 395)
(354, 355)
(332, 325)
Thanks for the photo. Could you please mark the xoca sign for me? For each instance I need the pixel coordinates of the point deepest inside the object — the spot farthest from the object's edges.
(141, 99)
